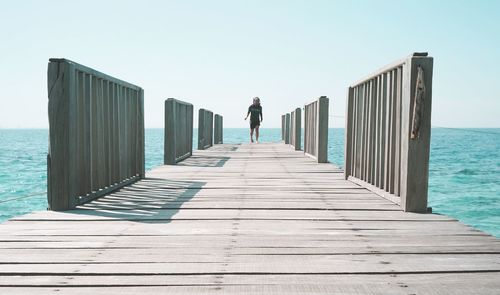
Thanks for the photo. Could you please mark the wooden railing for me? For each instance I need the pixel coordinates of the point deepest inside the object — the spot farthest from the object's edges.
(296, 129)
(178, 131)
(283, 123)
(218, 129)
(316, 129)
(287, 128)
(96, 134)
(388, 125)
(205, 129)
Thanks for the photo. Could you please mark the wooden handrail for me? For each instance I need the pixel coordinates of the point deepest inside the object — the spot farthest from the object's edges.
(205, 129)
(178, 137)
(296, 129)
(316, 129)
(96, 134)
(218, 129)
(283, 126)
(387, 138)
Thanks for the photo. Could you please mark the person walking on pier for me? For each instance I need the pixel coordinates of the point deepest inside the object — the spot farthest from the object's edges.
(255, 112)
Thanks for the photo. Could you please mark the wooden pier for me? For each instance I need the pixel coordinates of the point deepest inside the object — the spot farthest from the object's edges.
(242, 218)
(245, 219)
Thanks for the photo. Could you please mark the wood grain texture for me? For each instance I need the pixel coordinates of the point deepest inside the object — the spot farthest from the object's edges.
(380, 151)
(245, 219)
(93, 143)
(178, 136)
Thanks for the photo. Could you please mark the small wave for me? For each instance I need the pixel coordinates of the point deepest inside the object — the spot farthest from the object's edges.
(466, 172)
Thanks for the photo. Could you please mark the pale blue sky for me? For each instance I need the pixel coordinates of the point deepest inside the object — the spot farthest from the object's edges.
(220, 54)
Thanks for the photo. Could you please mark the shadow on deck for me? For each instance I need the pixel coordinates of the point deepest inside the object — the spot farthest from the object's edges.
(148, 200)
(204, 161)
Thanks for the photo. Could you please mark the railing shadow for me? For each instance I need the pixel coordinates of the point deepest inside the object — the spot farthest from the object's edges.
(204, 161)
(150, 200)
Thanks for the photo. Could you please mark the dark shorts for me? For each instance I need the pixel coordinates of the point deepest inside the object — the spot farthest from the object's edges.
(254, 124)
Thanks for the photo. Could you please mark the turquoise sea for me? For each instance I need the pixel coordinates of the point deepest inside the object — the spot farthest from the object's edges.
(464, 179)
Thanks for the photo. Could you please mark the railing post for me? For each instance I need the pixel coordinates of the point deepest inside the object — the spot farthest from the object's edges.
(287, 128)
(141, 142)
(322, 138)
(60, 167)
(348, 146)
(169, 137)
(169, 133)
(283, 119)
(218, 129)
(416, 133)
(205, 129)
(316, 129)
(296, 129)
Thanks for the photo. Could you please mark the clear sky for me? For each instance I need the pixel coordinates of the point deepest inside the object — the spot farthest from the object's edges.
(219, 54)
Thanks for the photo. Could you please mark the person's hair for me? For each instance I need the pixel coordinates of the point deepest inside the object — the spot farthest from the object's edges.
(256, 99)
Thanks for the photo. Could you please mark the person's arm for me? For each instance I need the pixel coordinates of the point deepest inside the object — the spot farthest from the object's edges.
(248, 113)
(261, 116)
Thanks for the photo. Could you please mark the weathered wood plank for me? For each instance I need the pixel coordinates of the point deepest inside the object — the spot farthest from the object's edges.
(247, 219)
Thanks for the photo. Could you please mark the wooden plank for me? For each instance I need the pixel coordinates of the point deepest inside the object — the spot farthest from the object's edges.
(206, 226)
(483, 283)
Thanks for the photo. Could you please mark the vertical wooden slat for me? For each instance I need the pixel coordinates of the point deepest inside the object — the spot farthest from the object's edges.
(94, 136)
(388, 124)
(392, 175)
(116, 139)
(106, 132)
(349, 142)
(371, 129)
(355, 132)
(383, 128)
(376, 156)
(376, 172)
(397, 160)
(359, 128)
(141, 140)
(123, 145)
(87, 139)
(364, 132)
(170, 133)
(80, 131)
(201, 129)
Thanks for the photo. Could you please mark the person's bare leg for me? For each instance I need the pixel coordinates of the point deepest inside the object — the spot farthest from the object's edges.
(257, 133)
(251, 135)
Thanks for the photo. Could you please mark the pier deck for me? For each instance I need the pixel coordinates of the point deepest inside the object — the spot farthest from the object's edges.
(245, 219)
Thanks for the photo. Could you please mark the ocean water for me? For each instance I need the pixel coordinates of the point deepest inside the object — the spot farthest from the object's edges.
(464, 172)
